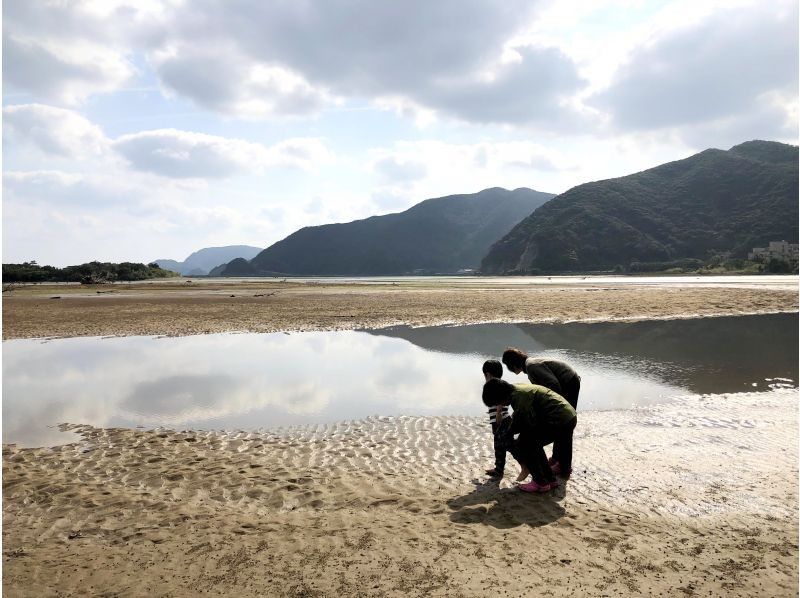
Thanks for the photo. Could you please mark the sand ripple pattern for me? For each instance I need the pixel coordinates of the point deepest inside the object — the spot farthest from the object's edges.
(353, 504)
(623, 458)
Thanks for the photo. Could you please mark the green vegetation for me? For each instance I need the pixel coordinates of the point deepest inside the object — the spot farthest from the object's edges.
(91, 273)
(687, 265)
(710, 204)
(712, 267)
(442, 235)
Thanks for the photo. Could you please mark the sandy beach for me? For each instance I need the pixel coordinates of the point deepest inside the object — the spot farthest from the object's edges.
(179, 307)
(693, 497)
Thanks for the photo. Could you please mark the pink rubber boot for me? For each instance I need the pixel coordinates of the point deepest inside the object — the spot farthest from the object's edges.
(534, 487)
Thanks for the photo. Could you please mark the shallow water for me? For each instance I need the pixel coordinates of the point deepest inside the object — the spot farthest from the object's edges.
(772, 281)
(263, 381)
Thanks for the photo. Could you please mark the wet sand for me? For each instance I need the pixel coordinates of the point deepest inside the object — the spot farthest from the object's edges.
(178, 307)
(694, 497)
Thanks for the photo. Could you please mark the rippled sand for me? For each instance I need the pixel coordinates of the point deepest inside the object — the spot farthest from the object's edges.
(693, 497)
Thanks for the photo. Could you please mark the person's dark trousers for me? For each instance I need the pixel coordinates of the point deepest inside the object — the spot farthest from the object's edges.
(571, 391)
(562, 445)
(530, 450)
(503, 442)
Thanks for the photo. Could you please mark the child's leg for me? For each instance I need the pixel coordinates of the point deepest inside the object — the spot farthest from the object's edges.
(512, 447)
(499, 447)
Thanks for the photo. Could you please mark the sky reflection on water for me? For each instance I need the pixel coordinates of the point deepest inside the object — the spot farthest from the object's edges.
(253, 381)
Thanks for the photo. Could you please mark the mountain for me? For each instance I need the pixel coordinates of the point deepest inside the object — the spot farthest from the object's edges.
(204, 260)
(710, 203)
(441, 235)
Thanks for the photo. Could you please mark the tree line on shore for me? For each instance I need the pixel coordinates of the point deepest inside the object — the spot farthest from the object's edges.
(90, 273)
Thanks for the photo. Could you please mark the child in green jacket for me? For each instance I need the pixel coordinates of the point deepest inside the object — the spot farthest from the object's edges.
(540, 416)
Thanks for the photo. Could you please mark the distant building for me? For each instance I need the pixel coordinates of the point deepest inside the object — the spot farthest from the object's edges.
(779, 250)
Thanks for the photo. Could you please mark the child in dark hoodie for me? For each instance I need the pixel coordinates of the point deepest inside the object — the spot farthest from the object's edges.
(501, 427)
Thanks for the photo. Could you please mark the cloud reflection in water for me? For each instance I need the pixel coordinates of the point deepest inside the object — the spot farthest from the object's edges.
(252, 381)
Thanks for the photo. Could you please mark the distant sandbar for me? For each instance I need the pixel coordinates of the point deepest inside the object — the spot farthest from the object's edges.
(180, 307)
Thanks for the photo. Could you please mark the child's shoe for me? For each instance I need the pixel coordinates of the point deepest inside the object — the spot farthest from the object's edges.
(534, 487)
(494, 473)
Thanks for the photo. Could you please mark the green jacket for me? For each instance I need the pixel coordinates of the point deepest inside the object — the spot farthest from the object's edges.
(536, 406)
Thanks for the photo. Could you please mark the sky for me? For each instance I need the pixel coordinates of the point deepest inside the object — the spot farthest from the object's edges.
(148, 129)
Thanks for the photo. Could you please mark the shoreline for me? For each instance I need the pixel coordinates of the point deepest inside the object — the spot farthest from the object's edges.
(431, 324)
(697, 496)
(202, 308)
(694, 496)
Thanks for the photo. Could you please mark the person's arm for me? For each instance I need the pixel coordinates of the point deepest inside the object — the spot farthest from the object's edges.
(538, 373)
(498, 415)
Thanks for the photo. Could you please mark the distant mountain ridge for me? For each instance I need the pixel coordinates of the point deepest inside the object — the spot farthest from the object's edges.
(201, 262)
(440, 235)
(713, 202)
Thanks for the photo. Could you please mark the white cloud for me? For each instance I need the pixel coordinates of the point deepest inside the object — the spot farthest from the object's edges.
(273, 59)
(166, 152)
(53, 130)
(62, 218)
(301, 152)
(314, 206)
(360, 46)
(173, 153)
(513, 63)
(710, 71)
(64, 52)
(436, 156)
(222, 80)
(184, 154)
(544, 94)
(535, 88)
(62, 188)
(406, 108)
(258, 60)
(65, 74)
(393, 169)
(134, 193)
(458, 168)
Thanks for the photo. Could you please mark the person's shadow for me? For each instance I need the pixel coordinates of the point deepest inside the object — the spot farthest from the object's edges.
(507, 507)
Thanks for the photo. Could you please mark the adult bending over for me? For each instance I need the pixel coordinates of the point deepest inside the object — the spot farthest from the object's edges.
(550, 373)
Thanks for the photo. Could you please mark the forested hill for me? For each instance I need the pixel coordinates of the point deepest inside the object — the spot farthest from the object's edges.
(441, 235)
(710, 203)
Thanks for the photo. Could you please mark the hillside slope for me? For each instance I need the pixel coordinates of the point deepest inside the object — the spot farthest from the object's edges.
(713, 202)
(442, 235)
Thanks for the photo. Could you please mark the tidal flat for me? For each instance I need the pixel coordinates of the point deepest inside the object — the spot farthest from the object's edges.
(686, 465)
(200, 306)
